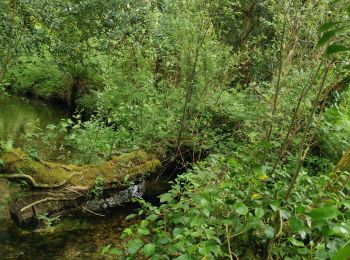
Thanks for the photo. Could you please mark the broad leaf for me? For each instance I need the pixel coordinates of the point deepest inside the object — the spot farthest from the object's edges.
(134, 246)
(259, 212)
(342, 254)
(296, 242)
(149, 249)
(143, 231)
(335, 48)
(327, 212)
(241, 208)
(326, 37)
(327, 26)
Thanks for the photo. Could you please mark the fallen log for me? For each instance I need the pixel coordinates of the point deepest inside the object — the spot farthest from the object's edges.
(344, 163)
(340, 176)
(59, 189)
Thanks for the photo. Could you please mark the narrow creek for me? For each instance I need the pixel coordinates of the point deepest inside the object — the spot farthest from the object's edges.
(80, 238)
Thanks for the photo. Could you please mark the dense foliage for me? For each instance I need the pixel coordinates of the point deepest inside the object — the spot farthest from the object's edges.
(261, 87)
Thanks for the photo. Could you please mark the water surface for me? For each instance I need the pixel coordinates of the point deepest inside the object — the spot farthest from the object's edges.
(25, 123)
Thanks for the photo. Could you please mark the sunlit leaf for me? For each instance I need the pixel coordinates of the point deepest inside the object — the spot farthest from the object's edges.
(259, 212)
(134, 246)
(241, 208)
(296, 242)
(149, 249)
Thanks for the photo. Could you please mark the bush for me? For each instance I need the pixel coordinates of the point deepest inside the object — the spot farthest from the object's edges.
(38, 77)
(223, 208)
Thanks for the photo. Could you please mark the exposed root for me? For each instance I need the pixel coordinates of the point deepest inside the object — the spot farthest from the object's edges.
(92, 212)
(29, 206)
(30, 180)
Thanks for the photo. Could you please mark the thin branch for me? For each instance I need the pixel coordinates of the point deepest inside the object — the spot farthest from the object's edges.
(92, 212)
(42, 201)
(278, 86)
(302, 143)
(295, 115)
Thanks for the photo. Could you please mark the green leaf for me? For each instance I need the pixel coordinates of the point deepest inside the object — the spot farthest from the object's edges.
(259, 212)
(269, 232)
(183, 257)
(335, 48)
(296, 242)
(342, 254)
(326, 212)
(340, 230)
(127, 231)
(143, 231)
(326, 37)
(274, 207)
(327, 26)
(241, 208)
(115, 251)
(166, 197)
(347, 204)
(232, 162)
(134, 246)
(2, 163)
(296, 224)
(130, 216)
(105, 249)
(8, 145)
(152, 217)
(177, 231)
(149, 249)
(303, 251)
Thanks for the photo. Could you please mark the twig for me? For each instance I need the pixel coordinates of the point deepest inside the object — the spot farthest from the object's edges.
(92, 212)
(42, 201)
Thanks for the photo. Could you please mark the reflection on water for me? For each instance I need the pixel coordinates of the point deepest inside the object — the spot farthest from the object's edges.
(25, 123)
(18, 116)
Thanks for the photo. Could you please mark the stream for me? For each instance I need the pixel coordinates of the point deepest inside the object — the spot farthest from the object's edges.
(25, 122)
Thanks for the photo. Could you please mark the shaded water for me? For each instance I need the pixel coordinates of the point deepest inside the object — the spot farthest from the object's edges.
(24, 122)
(19, 115)
(72, 239)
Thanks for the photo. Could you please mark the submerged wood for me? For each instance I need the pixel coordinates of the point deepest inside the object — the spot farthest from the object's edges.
(60, 189)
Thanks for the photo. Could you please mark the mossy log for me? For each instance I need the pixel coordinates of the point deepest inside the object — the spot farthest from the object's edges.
(56, 188)
(344, 163)
(341, 173)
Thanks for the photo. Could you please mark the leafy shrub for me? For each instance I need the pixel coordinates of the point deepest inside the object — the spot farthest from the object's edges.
(224, 209)
(38, 77)
(335, 129)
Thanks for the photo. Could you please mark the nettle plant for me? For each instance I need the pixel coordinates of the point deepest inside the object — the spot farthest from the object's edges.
(92, 138)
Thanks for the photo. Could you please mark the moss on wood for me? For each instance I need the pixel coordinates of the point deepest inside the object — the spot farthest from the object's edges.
(344, 163)
(117, 171)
